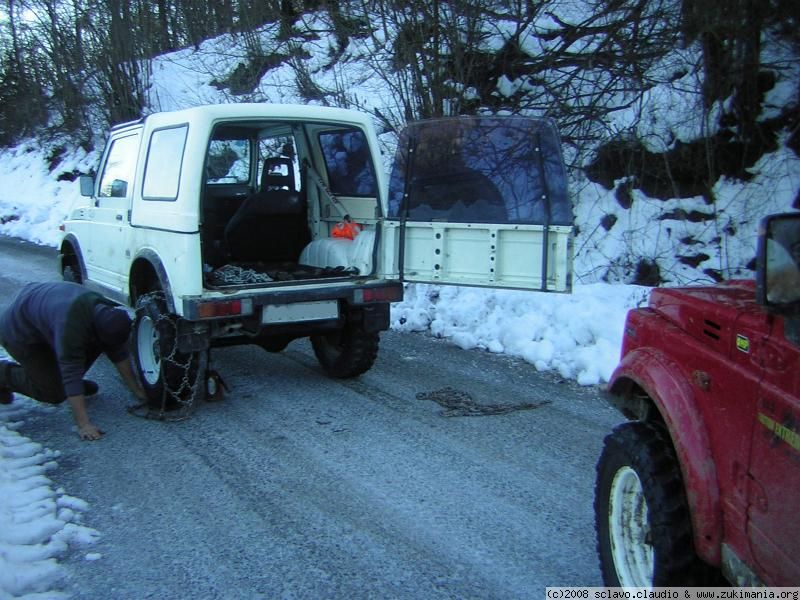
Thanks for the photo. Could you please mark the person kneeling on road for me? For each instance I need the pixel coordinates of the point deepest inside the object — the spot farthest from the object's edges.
(56, 331)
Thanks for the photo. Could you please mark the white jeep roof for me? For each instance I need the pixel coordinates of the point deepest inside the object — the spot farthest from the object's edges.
(204, 115)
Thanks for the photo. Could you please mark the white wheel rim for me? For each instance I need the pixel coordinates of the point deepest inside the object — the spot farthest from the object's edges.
(147, 347)
(629, 530)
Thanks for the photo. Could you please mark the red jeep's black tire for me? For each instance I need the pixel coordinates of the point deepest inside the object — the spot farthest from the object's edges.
(347, 352)
(644, 531)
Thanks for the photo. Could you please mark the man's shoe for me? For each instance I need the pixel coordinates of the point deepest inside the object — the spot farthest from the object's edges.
(89, 388)
(6, 396)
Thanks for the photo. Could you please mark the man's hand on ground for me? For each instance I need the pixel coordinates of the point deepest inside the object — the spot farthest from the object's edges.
(86, 429)
(90, 432)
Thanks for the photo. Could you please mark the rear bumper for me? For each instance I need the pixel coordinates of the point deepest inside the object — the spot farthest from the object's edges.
(352, 295)
(364, 304)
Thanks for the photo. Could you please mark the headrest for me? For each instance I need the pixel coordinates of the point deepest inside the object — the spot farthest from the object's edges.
(278, 172)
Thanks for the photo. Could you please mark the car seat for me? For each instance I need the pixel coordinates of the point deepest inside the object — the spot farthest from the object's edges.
(271, 226)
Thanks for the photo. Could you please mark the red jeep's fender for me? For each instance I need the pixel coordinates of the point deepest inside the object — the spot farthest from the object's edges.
(661, 379)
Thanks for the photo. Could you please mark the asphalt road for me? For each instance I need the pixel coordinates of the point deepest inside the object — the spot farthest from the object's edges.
(299, 486)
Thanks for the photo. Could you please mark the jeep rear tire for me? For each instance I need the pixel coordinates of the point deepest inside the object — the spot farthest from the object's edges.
(168, 376)
(644, 532)
(347, 352)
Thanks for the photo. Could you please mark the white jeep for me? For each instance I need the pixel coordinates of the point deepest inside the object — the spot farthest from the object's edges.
(259, 224)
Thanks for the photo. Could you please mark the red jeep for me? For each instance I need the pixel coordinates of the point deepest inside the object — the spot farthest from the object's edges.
(705, 477)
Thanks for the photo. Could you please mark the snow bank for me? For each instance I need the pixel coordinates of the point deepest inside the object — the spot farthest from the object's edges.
(578, 335)
(37, 523)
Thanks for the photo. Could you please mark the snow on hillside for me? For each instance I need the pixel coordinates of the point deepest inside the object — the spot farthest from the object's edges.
(33, 202)
(669, 112)
(640, 231)
(578, 335)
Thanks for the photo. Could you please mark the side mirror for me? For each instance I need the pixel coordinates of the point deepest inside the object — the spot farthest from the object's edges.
(778, 263)
(87, 185)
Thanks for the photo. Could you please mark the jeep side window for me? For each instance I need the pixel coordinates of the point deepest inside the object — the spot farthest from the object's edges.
(348, 163)
(162, 170)
(119, 168)
(228, 162)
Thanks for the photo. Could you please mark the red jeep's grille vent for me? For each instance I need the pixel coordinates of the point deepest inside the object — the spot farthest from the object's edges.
(712, 329)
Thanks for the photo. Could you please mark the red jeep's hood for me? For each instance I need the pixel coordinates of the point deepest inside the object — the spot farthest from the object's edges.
(708, 311)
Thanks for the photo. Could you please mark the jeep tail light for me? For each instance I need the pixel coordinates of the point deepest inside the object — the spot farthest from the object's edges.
(224, 308)
(378, 294)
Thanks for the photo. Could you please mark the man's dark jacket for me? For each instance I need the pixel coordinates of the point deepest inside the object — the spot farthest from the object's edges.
(59, 315)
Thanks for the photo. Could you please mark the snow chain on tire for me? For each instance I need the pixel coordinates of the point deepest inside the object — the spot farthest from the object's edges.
(179, 394)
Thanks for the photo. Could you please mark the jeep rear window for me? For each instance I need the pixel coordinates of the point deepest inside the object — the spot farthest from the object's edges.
(348, 163)
(228, 162)
(163, 167)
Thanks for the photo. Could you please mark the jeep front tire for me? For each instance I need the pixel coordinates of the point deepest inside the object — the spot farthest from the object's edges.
(644, 532)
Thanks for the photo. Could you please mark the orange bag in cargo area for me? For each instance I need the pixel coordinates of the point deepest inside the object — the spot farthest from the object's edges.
(346, 229)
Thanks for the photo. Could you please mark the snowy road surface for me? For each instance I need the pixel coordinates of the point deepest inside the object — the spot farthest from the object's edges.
(299, 486)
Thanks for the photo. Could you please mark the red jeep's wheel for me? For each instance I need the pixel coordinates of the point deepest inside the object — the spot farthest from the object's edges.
(644, 532)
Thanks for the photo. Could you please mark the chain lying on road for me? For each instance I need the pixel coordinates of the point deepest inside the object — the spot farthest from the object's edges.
(185, 383)
(458, 403)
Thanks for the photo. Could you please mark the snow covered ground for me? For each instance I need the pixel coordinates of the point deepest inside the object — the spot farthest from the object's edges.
(38, 521)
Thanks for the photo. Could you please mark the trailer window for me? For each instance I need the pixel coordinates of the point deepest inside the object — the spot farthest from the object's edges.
(481, 170)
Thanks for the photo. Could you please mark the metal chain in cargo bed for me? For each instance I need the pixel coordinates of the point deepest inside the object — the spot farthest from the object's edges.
(235, 275)
(185, 385)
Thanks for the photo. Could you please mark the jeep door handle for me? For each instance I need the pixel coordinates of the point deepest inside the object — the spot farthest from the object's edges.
(119, 217)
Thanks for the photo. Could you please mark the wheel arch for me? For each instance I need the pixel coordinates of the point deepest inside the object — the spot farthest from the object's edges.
(71, 247)
(648, 385)
(148, 274)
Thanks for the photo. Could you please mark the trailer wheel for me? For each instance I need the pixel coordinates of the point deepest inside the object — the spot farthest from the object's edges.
(644, 532)
(168, 376)
(347, 352)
